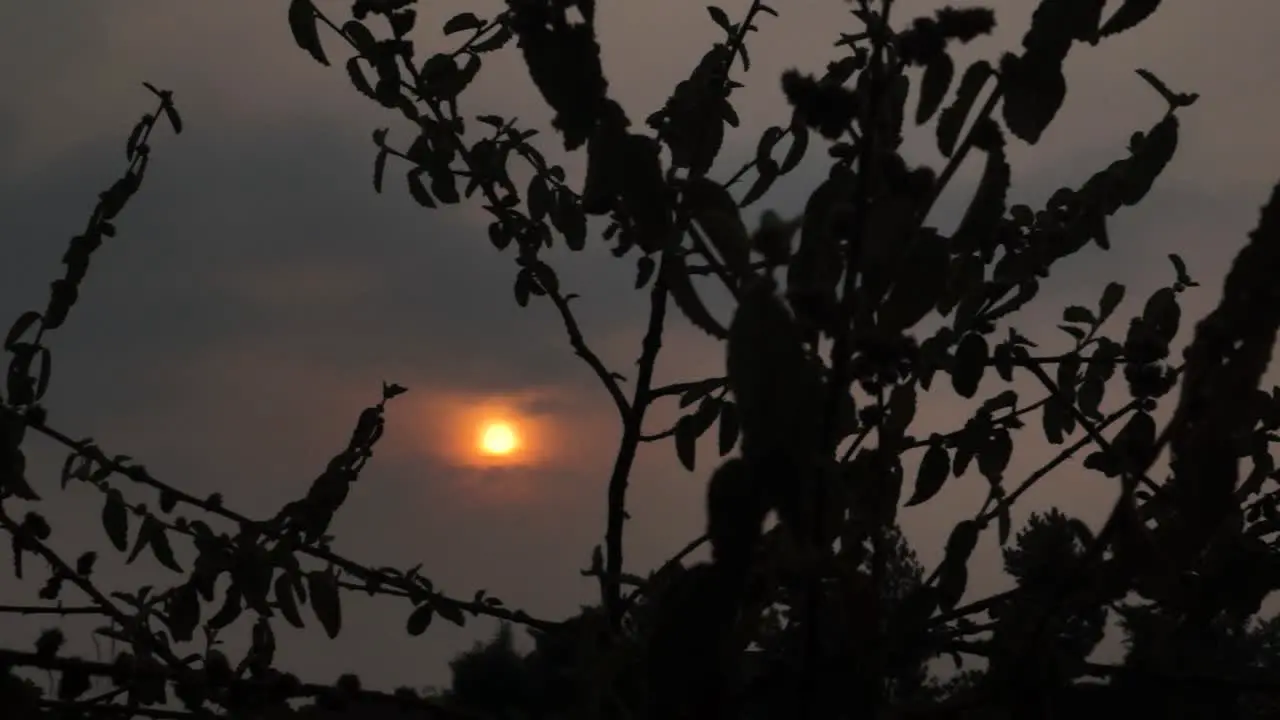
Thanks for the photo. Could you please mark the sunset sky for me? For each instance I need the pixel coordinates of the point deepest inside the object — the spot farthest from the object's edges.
(260, 290)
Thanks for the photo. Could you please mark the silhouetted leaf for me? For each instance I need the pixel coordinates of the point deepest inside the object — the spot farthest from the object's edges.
(772, 238)
(676, 275)
(1180, 269)
(720, 18)
(933, 86)
(420, 619)
(1128, 15)
(523, 287)
(1175, 100)
(935, 468)
(418, 190)
(1054, 420)
(962, 541)
(995, 455)
(795, 153)
(379, 167)
(1034, 91)
(135, 137)
(444, 185)
(1078, 314)
(230, 610)
(115, 520)
(159, 542)
(286, 602)
(728, 436)
(451, 612)
(817, 264)
(363, 40)
(85, 563)
(356, 75)
(970, 364)
(570, 220)
(919, 287)
(691, 427)
(19, 327)
(171, 114)
(302, 22)
(538, 198)
(953, 579)
(184, 613)
(686, 442)
(1162, 315)
(766, 174)
(462, 22)
(899, 412)
(952, 119)
(1112, 295)
(768, 141)
(563, 59)
(714, 209)
(494, 41)
(1007, 399)
(776, 388)
(322, 590)
(644, 270)
(692, 121)
(1134, 442)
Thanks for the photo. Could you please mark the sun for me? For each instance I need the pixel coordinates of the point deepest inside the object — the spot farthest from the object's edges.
(498, 439)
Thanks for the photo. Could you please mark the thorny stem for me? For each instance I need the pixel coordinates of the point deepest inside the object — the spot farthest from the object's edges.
(608, 379)
(1094, 552)
(652, 344)
(631, 434)
(139, 634)
(988, 514)
(671, 562)
(840, 354)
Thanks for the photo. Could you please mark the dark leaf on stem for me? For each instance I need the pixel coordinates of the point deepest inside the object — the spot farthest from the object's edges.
(302, 21)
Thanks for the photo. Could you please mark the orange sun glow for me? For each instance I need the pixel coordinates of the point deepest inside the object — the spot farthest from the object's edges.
(498, 439)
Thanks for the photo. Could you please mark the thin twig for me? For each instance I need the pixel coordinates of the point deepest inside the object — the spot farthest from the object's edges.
(579, 344)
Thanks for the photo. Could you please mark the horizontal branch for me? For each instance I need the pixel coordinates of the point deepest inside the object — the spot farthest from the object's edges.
(141, 476)
(50, 610)
(302, 690)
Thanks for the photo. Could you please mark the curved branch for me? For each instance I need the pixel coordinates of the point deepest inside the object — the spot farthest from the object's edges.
(579, 344)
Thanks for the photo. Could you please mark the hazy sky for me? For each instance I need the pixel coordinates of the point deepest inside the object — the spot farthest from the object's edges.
(259, 290)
